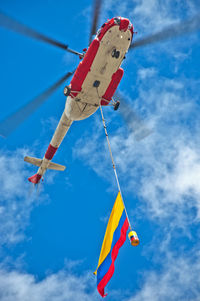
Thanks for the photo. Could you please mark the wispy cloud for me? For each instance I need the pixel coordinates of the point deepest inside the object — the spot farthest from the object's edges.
(16, 200)
(16, 204)
(179, 280)
(151, 15)
(162, 171)
(145, 73)
(61, 286)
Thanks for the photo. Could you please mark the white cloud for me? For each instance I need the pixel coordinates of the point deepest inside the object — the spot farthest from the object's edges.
(173, 182)
(162, 170)
(150, 15)
(145, 73)
(61, 286)
(85, 147)
(15, 207)
(167, 162)
(16, 200)
(178, 281)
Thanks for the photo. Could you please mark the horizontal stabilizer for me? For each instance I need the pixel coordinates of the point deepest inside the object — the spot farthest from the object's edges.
(34, 161)
(38, 162)
(56, 166)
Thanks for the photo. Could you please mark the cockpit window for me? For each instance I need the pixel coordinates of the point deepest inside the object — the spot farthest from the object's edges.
(117, 20)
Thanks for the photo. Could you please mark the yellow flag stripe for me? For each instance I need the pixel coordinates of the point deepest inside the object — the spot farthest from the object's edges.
(111, 227)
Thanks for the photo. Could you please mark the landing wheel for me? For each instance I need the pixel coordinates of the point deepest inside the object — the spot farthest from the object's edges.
(117, 54)
(67, 90)
(116, 105)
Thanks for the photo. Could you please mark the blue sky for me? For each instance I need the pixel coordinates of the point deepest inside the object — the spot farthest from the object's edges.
(50, 243)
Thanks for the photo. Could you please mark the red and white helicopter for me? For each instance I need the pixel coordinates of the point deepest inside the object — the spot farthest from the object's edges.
(95, 80)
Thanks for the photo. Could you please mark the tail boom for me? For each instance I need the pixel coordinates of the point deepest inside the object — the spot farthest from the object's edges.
(45, 163)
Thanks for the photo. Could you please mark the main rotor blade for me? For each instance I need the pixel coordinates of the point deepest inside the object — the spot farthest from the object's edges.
(173, 31)
(135, 123)
(11, 24)
(96, 13)
(8, 125)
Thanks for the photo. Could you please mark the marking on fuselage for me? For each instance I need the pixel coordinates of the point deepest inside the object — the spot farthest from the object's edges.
(103, 69)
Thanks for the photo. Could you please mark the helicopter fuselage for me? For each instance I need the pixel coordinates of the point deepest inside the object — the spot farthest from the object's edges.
(93, 84)
(98, 75)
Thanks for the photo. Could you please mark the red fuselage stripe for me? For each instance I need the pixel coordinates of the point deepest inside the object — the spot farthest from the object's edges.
(84, 67)
(50, 152)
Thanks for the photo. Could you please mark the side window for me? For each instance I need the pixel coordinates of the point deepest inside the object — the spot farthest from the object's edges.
(99, 31)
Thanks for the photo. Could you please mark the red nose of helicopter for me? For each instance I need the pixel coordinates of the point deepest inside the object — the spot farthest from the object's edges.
(124, 24)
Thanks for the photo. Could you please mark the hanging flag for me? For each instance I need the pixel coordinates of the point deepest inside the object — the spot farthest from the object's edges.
(114, 238)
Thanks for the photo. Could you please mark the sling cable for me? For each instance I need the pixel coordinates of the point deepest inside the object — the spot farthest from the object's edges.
(134, 240)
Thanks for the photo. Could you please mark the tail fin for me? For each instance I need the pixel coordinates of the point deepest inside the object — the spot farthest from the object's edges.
(38, 162)
(35, 179)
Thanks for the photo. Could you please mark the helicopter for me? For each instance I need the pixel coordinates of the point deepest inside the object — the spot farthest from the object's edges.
(95, 80)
